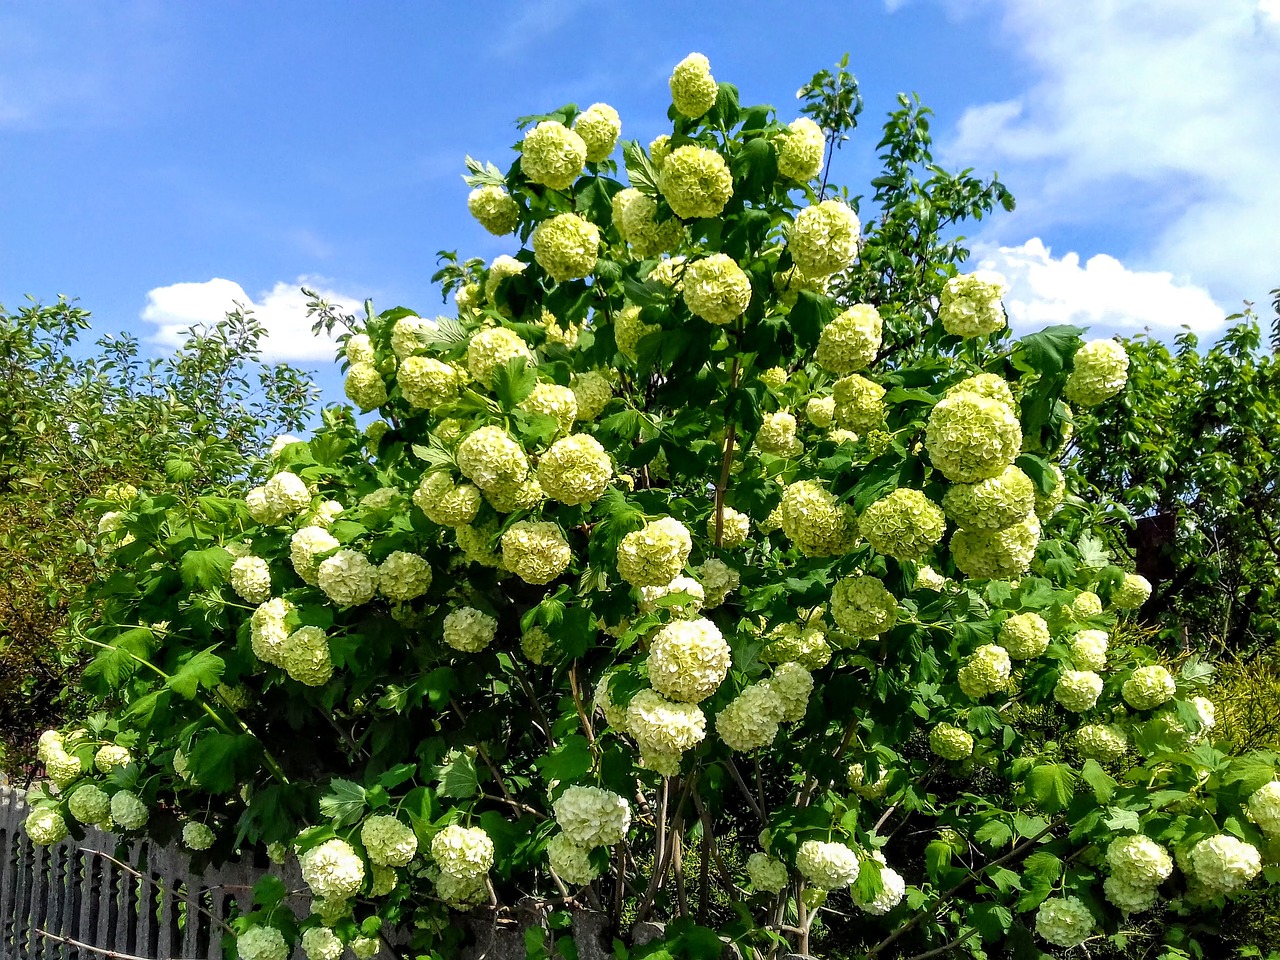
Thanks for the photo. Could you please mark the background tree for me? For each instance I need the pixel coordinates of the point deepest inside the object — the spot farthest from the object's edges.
(98, 422)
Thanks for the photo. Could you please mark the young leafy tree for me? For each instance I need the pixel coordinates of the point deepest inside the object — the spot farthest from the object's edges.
(81, 424)
(705, 568)
(1191, 453)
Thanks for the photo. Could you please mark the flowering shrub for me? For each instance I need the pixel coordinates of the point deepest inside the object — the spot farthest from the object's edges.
(637, 596)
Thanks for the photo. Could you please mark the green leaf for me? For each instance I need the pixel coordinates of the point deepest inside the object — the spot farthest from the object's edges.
(568, 763)
(203, 669)
(206, 568)
(400, 773)
(811, 313)
(345, 802)
(269, 892)
(486, 175)
(457, 776)
(995, 833)
(1099, 780)
(1040, 873)
(1093, 554)
(1048, 351)
(594, 199)
(213, 760)
(1051, 786)
(640, 171)
(1119, 819)
(514, 381)
(756, 167)
(992, 920)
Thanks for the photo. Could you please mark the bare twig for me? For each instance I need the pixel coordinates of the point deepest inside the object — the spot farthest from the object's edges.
(745, 790)
(80, 945)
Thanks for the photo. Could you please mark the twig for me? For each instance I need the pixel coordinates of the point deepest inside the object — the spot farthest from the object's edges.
(946, 947)
(80, 945)
(484, 755)
(745, 790)
(582, 713)
(533, 702)
(130, 870)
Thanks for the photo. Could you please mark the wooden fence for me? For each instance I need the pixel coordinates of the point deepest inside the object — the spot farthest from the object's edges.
(94, 898)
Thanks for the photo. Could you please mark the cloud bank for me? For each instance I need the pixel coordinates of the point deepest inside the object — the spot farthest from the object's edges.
(282, 310)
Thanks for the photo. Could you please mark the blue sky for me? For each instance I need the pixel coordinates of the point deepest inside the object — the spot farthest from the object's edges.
(158, 159)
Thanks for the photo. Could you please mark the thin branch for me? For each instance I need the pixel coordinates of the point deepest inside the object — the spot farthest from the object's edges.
(130, 870)
(946, 947)
(80, 945)
(745, 790)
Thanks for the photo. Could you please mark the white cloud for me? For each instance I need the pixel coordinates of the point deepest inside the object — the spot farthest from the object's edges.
(1102, 293)
(1152, 124)
(282, 310)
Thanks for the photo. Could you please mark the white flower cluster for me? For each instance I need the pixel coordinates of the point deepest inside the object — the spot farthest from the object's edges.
(663, 729)
(985, 672)
(1138, 866)
(1064, 921)
(655, 554)
(688, 660)
(464, 856)
(282, 496)
(592, 817)
(827, 865)
(387, 841)
(1222, 864)
(332, 870)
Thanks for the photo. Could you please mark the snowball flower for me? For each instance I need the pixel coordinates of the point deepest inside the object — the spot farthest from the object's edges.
(794, 643)
(1264, 808)
(495, 209)
(767, 874)
(815, 521)
(469, 630)
(599, 126)
(592, 392)
(693, 89)
(1148, 687)
(1100, 371)
(718, 581)
(661, 726)
(50, 741)
(305, 546)
(348, 578)
(567, 246)
(792, 683)
(1104, 742)
(969, 305)
(492, 348)
(827, 865)
(750, 720)
(904, 525)
(862, 607)
(655, 554)
(304, 656)
(1064, 921)
(332, 870)
(1134, 590)
(502, 268)
(695, 182)
(534, 551)
(535, 643)
(427, 383)
(716, 289)
(321, 943)
(575, 470)
(994, 555)
(892, 889)
(45, 826)
(970, 437)
(462, 852)
(1139, 860)
(411, 334)
(1129, 898)
(251, 579)
(269, 629)
(262, 943)
(629, 330)
(800, 150)
(553, 155)
(635, 217)
(359, 349)
(491, 459)
(824, 238)
(850, 341)
(364, 386)
(986, 672)
(63, 768)
(592, 817)
(777, 435)
(286, 494)
(820, 411)
(688, 660)
(128, 812)
(1024, 635)
(387, 841)
(735, 528)
(554, 401)
(365, 948)
(1224, 864)
(1078, 690)
(570, 862)
(991, 504)
(1089, 649)
(990, 385)
(1086, 604)
(197, 836)
(89, 804)
(859, 403)
(445, 502)
(404, 576)
(857, 779)
(950, 742)
(110, 756)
